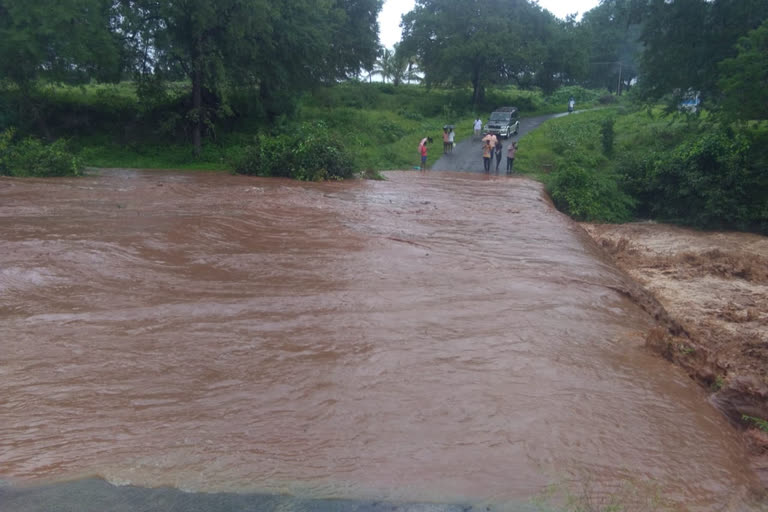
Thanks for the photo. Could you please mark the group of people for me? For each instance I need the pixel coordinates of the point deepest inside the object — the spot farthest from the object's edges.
(492, 146)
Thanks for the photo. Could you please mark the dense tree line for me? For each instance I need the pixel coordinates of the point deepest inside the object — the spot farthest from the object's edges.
(274, 50)
(278, 48)
(669, 48)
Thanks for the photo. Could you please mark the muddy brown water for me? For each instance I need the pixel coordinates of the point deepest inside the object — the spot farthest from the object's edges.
(433, 337)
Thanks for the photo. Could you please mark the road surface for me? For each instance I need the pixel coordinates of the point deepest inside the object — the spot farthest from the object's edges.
(467, 156)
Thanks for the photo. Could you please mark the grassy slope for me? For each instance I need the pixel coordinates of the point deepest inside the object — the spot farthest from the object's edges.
(381, 123)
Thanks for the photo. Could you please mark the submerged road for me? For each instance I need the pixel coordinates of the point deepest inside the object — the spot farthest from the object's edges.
(467, 156)
(433, 338)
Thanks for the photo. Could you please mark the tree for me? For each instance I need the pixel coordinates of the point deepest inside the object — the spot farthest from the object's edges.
(612, 31)
(384, 65)
(278, 48)
(567, 59)
(744, 78)
(405, 67)
(64, 41)
(397, 65)
(685, 39)
(477, 41)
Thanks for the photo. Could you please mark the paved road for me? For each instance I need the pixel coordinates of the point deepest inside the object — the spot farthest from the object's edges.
(467, 156)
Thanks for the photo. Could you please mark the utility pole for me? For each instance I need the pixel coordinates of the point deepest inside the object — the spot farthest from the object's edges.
(618, 85)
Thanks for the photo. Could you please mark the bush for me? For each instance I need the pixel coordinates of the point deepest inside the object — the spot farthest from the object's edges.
(587, 195)
(30, 157)
(606, 135)
(318, 156)
(711, 181)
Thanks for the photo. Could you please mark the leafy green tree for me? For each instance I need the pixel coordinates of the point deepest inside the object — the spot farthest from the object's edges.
(479, 42)
(278, 48)
(64, 41)
(686, 39)
(405, 67)
(744, 78)
(567, 60)
(612, 31)
(385, 65)
(397, 65)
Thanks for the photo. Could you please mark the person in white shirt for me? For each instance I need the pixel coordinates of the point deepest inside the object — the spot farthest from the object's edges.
(451, 140)
(478, 128)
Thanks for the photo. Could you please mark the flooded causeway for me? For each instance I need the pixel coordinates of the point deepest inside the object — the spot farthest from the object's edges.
(433, 337)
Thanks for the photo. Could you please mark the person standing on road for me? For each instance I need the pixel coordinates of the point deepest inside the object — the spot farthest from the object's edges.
(451, 140)
(499, 147)
(487, 155)
(445, 140)
(478, 127)
(494, 143)
(423, 152)
(571, 104)
(511, 156)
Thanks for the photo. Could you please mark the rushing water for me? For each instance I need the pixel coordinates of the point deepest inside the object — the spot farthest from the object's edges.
(435, 336)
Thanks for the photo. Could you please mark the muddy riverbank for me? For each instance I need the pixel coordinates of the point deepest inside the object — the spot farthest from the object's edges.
(433, 337)
(714, 287)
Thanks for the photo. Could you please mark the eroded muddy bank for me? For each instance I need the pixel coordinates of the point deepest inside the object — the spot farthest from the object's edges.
(433, 337)
(714, 290)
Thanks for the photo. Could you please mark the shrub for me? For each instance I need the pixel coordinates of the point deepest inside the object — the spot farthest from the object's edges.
(30, 157)
(711, 181)
(607, 135)
(6, 141)
(320, 155)
(588, 195)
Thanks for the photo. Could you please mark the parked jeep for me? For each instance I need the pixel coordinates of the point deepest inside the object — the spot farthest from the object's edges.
(504, 122)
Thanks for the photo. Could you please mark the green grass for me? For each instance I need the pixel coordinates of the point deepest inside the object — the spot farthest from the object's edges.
(180, 157)
(108, 126)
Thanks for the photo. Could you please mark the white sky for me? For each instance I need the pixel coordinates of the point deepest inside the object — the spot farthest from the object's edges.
(389, 17)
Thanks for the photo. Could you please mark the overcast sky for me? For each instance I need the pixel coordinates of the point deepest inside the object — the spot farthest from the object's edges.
(389, 18)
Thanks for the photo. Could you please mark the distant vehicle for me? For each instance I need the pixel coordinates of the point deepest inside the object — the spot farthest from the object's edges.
(690, 102)
(504, 122)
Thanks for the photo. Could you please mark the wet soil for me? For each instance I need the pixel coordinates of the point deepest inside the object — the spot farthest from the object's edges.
(714, 289)
(436, 337)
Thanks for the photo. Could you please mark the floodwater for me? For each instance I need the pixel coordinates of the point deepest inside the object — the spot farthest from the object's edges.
(434, 337)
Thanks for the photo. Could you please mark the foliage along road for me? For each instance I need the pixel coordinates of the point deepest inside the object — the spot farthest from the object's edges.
(467, 156)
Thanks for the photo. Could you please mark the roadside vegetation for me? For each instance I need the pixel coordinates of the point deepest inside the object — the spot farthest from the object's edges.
(617, 165)
(30, 157)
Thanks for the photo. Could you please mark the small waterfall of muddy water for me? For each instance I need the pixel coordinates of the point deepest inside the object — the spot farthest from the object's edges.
(434, 337)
